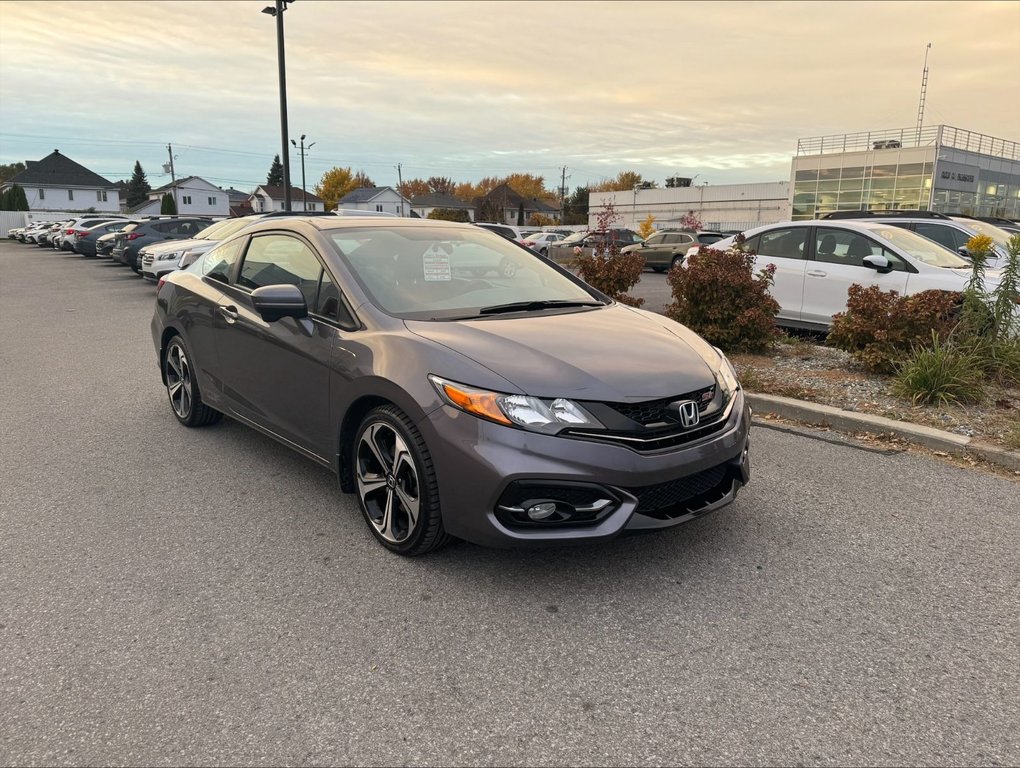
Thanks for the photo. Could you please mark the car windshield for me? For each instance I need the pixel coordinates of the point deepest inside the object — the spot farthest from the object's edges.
(439, 273)
(212, 232)
(230, 226)
(573, 239)
(920, 248)
(999, 236)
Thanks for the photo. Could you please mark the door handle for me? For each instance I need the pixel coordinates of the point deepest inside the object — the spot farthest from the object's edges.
(817, 273)
(229, 313)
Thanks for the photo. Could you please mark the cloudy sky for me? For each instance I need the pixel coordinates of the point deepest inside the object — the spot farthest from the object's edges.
(461, 89)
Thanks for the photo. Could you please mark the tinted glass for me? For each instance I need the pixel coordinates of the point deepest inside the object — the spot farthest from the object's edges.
(219, 262)
(328, 304)
(279, 260)
(946, 236)
(657, 238)
(705, 238)
(783, 243)
(841, 246)
(442, 273)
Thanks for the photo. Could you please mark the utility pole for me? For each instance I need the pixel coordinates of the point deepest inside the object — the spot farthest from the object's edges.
(173, 178)
(400, 184)
(277, 12)
(304, 195)
(563, 190)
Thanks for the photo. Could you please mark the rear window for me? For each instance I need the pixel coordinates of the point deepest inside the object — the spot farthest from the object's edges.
(130, 227)
(706, 239)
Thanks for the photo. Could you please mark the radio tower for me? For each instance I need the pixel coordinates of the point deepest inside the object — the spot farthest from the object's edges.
(924, 92)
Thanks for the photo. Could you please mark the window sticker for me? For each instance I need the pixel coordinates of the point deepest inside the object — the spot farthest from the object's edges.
(436, 264)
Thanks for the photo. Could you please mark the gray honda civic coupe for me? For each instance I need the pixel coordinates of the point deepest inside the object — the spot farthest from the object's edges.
(459, 384)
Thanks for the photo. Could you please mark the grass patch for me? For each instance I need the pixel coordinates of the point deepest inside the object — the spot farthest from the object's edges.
(940, 374)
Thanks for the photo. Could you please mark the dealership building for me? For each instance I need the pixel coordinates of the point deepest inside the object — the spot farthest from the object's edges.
(938, 168)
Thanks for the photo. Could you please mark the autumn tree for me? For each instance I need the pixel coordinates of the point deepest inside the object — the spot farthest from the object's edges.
(275, 176)
(338, 182)
(625, 180)
(646, 227)
(529, 186)
(441, 184)
(413, 188)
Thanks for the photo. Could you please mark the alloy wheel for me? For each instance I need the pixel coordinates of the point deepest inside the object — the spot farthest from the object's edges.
(388, 482)
(178, 381)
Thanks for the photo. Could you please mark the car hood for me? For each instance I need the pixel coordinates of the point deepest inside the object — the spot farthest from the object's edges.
(173, 245)
(615, 354)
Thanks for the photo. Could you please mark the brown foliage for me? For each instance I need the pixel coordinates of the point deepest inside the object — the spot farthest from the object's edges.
(880, 328)
(718, 296)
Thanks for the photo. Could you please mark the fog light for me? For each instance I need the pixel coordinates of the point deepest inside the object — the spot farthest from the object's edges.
(542, 511)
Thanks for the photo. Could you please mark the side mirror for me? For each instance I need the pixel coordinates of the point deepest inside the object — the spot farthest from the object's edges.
(275, 302)
(963, 251)
(878, 263)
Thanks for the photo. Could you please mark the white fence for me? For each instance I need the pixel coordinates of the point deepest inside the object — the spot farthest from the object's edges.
(11, 219)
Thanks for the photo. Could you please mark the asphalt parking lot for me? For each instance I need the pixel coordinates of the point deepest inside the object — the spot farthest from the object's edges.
(174, 596)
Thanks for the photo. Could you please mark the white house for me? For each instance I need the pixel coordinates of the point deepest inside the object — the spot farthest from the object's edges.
(57, 183)
(270, 197)
(423, 205)
(378, 199)
(194, 197)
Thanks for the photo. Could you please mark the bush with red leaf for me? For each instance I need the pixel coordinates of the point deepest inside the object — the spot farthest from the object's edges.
(881, 328)
(718, 295)
(605, 267)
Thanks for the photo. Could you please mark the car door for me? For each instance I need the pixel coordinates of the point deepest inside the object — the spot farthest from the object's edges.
(837, 262)
(785, 248)
(652, 248)
(276, 374)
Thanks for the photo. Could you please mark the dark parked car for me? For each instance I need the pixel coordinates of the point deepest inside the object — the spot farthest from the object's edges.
(86, 239)
(134, 237)
(564, 251)
(516, 409)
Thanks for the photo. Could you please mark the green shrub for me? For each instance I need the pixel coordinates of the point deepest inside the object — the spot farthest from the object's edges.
(717, 295)
(941, 373)
(880, 328)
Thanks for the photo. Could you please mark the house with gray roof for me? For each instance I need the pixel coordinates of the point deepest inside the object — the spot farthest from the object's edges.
(58, 183)
(270, 197)
(378, 199)
(423, 205)
(504, 205)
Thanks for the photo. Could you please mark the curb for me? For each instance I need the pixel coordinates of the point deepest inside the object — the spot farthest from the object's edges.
(851, 421)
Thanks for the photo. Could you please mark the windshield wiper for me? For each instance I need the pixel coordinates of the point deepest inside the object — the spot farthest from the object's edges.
(536, 306)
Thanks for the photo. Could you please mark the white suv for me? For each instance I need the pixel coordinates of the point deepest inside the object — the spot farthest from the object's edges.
(508, 231)
(816, 262)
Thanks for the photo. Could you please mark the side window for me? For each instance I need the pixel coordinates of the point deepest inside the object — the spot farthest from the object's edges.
(219, 262)
(783, 243)
(655, 240)
(161, 227)
(946, 236)
(279, 260)
(686, 239)
(331, 305)
(670, 239)
(841, 246)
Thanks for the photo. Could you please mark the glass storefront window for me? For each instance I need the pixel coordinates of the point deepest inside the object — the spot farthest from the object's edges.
(857, 172)
(909, 182)
(850, 197)
(910, 169)
(847, 184)
(828, 186)
(883, 183)
(828, 173)
(806, 175)
(804, 187)
(880, 171)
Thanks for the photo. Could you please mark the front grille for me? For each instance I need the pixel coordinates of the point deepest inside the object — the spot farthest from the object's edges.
(147, 260)
(682, 496)
(654, 411)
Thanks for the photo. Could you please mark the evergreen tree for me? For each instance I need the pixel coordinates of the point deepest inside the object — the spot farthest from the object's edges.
(138, 188)
(17, 200)
(168, 206)
(275, 177)
(5, 200)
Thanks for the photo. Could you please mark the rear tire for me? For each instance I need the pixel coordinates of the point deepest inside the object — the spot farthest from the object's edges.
(677, 261)
(396, 483)
(182, 387)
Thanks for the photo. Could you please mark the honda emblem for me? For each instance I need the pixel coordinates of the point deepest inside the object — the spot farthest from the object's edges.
(688, 412)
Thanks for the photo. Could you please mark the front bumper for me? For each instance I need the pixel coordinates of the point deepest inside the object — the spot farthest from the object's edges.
(480, 465)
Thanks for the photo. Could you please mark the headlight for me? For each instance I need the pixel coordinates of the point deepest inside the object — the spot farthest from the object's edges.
(170, 256)
(725, 375)
(532, 413)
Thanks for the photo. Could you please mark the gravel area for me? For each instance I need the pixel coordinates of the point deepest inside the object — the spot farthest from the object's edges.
(806, 370)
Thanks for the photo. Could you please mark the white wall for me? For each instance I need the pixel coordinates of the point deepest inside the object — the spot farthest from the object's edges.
(387, 201)
(199, 192)
(724, 206)
(46, 198)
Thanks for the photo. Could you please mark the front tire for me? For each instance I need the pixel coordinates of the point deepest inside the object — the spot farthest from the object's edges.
(182, 387)
(397, 488)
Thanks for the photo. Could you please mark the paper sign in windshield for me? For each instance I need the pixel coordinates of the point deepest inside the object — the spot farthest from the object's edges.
(436, 264)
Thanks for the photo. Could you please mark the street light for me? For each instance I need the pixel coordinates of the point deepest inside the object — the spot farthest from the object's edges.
(304, 204)
(277, 11)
